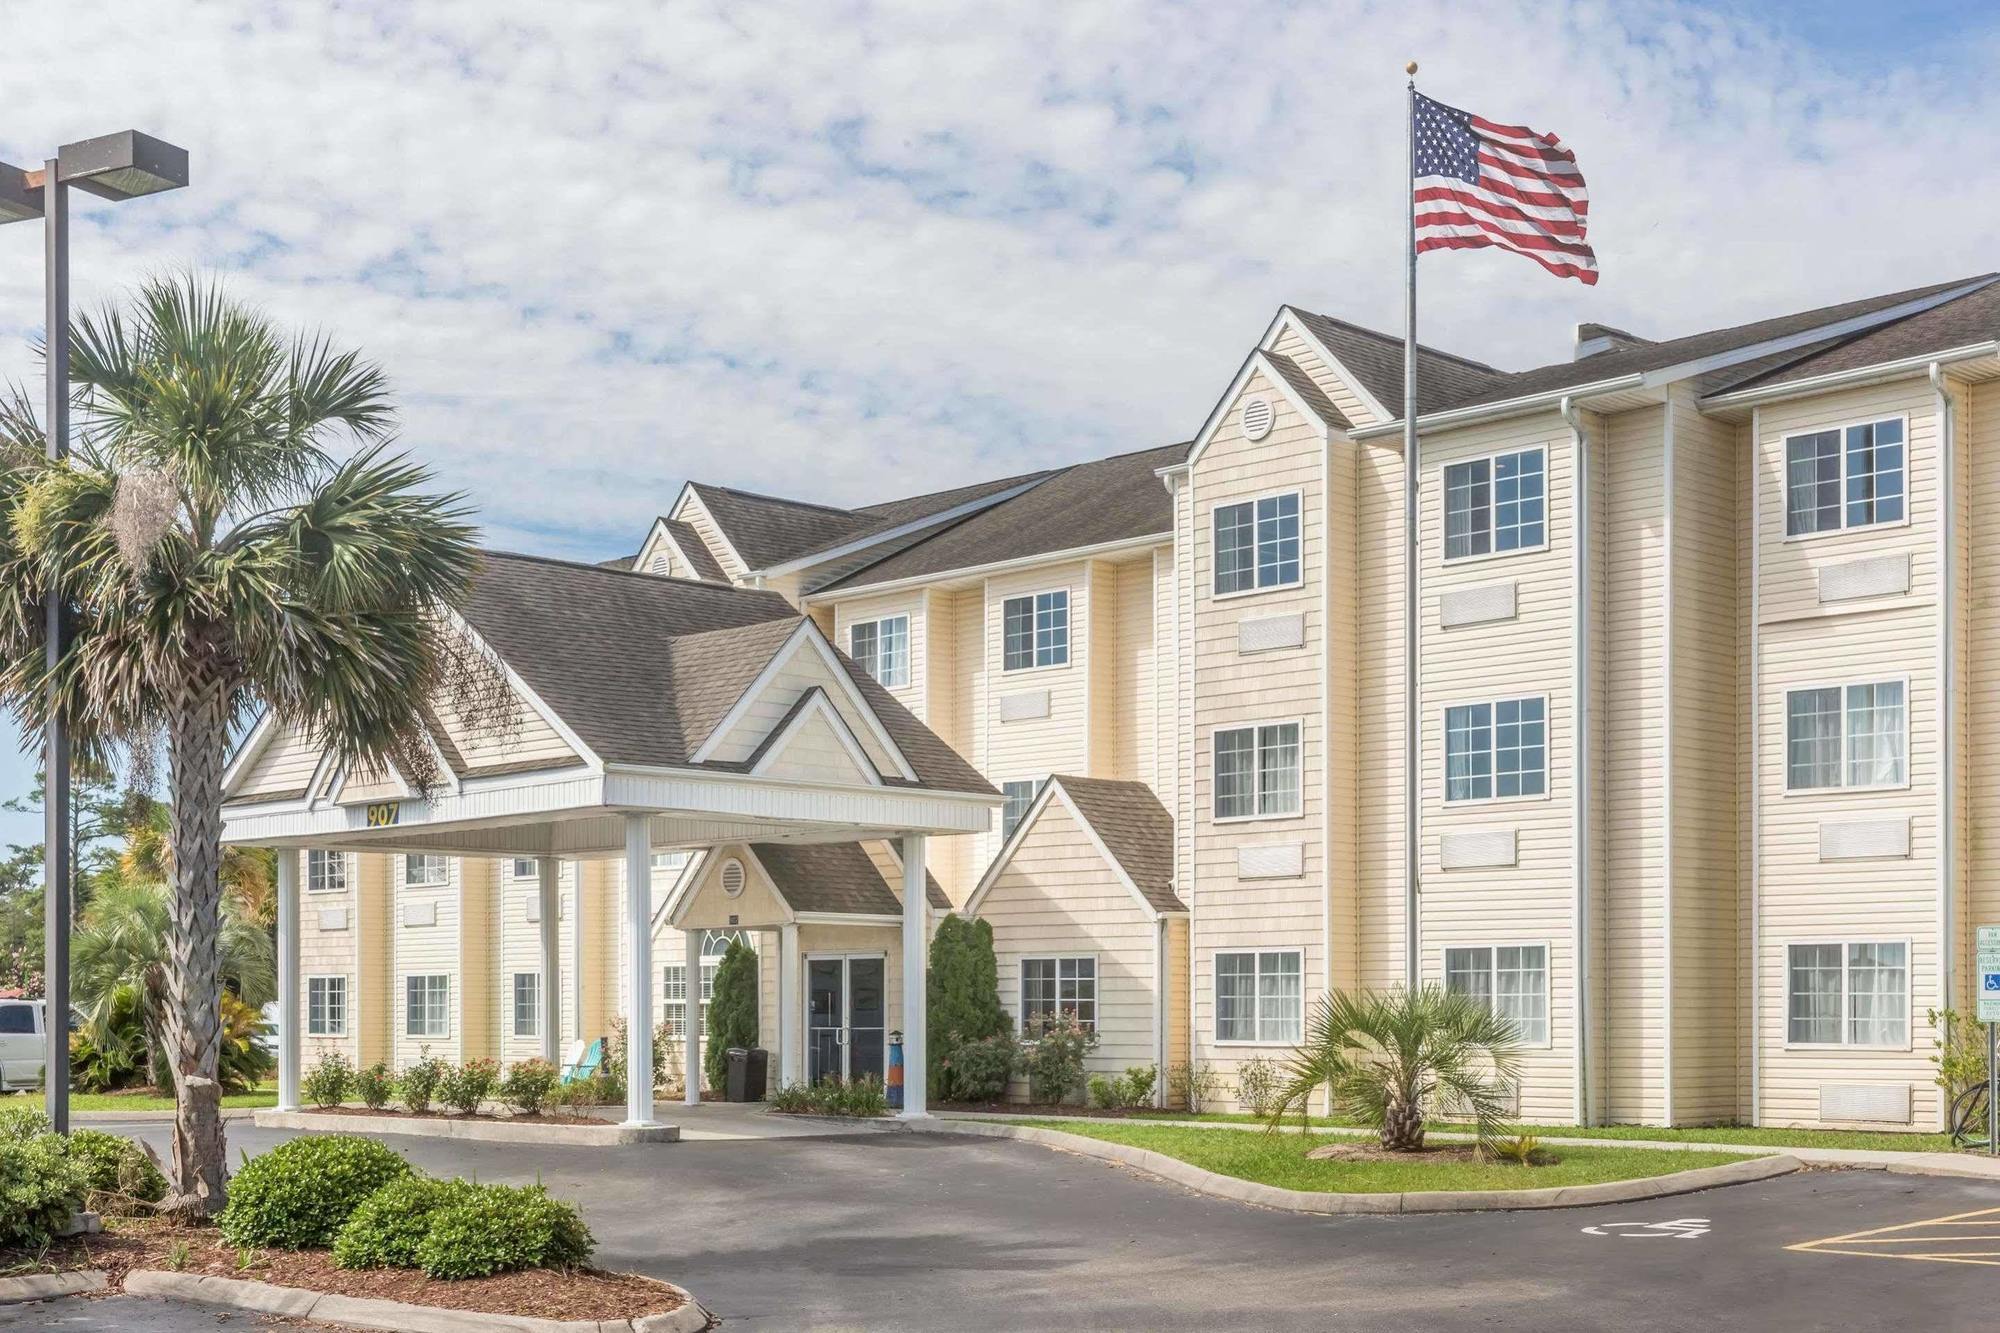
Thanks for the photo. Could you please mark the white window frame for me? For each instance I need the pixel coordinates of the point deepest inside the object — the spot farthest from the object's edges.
(1841, 429)
(1494, 701)
(1096, 986)
(1257, 1017)
(871, 666)
(1785, 734)
(1493, 949)
(438, 883)
(313, 881)
(534, 1010)
(1034, 786)
(514, 864)
(1846, 991)
(1256, 771)
(1069, 631)
(445, 1033)
(346, 999)
(1490, 458)
(1215, 545)
(673, 1006)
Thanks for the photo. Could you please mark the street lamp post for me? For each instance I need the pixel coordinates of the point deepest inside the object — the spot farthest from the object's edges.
(116, 167)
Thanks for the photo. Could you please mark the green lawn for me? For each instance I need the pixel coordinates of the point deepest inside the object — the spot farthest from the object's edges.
(265, 1095)
(1280, 1159)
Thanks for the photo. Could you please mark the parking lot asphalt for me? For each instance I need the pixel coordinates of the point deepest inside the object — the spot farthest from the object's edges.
(904, 1231)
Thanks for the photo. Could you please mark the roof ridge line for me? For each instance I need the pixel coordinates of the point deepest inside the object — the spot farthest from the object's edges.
(640, 574)
(1398, 342)
(777, 499)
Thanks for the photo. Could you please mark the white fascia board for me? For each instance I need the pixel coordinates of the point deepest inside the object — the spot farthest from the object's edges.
(846, 919)
(862, 543)
(1067, 556)
(821, 705)
(691, 495)
(1844, 379)
(1253, 363)
(662, 535)
(1288, 318)
(683, 895)
(669, 909)
(1478, 412)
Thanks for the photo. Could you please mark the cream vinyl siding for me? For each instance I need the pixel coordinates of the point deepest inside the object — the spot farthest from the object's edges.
(913, 696)
(1233, 690)
(1378, 649)
(1707, 1020)
(1163, 697)
(815, 752)
(1057, 897)
(1530, 655)
(521, 951)
(480, 944)
(804, 669)
(967, 734)
(423, 950)
(696, 515)
(325, 952)
(1034, 747)
(1979, 433)
(1106, 678)
(284, 768)
(1290, 344)
(372, 784)
(1178, 1000)
(1340, 654)
(521, 737)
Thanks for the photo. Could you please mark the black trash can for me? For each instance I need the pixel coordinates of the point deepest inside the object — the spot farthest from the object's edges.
(748, 1072)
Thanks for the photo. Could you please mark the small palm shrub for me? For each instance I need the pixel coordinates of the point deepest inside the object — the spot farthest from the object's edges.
(463, 1087)
(330, 1079)
(385, 1231)
(1520, 1149)
(529, 1085)
(1052, 1057)
(374, 1086)
(41, 1188)
(1192, 1086)
(978, 1071)
(302, 1192)
(118, 1173)
(1394, 1059)
(501, 1228)
(1258, 1083)
(419, 1084)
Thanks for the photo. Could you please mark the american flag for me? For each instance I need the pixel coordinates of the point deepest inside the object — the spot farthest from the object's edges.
(1480, 183)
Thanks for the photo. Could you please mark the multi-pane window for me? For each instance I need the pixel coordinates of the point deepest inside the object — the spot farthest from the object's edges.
(524, 867)
(1035, 630)
(1496, 504)
(427, 1005)
(1257, 544)
(1020, 795)
(1257, 771)
(1496, 749)
(1848, 994)
(673, 977)
(1511, 980)
(1846, 736)
(527, 1004)
(1054, 986)
(326, 872)
(882, 649)
(1259, 996)
(669, 861)
(422, 870)
(326, 1006)
(1846, 478)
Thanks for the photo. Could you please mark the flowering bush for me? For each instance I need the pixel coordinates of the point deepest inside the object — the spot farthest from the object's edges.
(464, 1087)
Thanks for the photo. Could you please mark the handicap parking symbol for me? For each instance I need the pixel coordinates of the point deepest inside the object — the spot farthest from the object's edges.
(1990, 981)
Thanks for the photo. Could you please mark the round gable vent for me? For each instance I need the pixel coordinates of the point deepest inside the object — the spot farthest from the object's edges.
(732, 879)
(1258, 417)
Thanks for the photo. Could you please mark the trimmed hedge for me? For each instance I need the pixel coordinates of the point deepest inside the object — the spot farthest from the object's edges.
(115, 1169)
(41, 1188)
(385, 1231)
(302, 1192)
(501, 1228)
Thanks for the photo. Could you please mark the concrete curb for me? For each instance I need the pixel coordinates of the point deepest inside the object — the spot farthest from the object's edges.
(357, 1312)
(49, 1286)
(1431, 1201)
(147, 1117)
(477, 1131)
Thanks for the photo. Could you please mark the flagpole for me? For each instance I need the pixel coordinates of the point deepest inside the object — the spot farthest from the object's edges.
(1411, 934)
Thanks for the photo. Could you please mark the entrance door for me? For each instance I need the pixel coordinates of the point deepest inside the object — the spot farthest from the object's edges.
(846, 1017)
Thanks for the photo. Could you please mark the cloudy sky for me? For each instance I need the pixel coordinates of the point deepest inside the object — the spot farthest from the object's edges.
(845, 249)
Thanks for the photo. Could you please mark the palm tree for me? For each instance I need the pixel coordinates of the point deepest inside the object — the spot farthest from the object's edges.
(249, 874)
(1394, 1058)
(216, 559)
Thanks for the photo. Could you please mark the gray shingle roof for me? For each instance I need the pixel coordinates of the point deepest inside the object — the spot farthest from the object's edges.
(1376, 359)
(1969, 319)
(705, 564)
(834, 877)
(1135, 828)
(1307, 389)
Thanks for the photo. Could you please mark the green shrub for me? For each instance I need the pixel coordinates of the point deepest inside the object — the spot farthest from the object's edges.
(302, 1192)
(860, 1098)
(528, 1086)
(1257, 1085)
(23, 1121)
(464, 1087)
(1192, 1086)
(330, 1079)
(963, 1005)
(610, 1078)
(41, 1188)
(502, 1228)
(374, 1086)
(118, 1173)
(732, 1011)
(1132, 1088)
(419, 1083)
(978, 1070)
(385, 1231)
(1053, 1056)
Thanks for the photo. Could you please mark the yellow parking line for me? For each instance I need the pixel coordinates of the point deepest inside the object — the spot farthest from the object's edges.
(1855, 1243)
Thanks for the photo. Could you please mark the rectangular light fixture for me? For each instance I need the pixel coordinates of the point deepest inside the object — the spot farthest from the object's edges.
(19, 201)
(123, 166)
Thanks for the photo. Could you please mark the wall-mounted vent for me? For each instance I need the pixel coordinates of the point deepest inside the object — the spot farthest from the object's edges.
(531, 907)
(1877, 576)
(333, 918)
(661, 563)
(1477, 849)
(1024, 706)
(1864, 839)
(1258, 418)
(733, 879)
(1883, 1103)
(420, 914)
(1276, 860)
(1476, 606)
(1266, 633)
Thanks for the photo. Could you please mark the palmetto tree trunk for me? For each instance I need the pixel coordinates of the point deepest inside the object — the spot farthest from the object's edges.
(1403, 1126)
(197, 743)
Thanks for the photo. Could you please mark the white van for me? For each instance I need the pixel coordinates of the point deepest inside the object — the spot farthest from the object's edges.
(21, 1045)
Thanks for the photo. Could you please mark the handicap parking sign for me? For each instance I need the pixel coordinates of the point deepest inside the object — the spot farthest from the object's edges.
(1991, 982)
(1987, 959)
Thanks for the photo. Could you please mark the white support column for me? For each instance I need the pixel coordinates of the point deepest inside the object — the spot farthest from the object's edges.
(789, 1049)
(639, 972)
(289, 1034)
(576, 869)
(548, 871)
(691, 1024)
(916, 982)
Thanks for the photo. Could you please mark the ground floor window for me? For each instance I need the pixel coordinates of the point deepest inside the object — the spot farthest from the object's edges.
(673, 978)
(427, 1005)
(527, 1004)
(1511, 980)
(1848, 993)
(1259, 996)
(1053, 986)
(326, 1006)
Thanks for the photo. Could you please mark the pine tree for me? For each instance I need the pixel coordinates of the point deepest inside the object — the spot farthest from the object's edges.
(732, 1011)
(964, 995)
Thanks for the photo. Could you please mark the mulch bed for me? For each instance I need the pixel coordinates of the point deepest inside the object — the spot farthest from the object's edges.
(539, 1118)
(583, 1293)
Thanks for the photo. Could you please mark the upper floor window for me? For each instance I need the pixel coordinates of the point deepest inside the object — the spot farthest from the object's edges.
(1846, 736)
(326, 872)
(1848, 994)
(1035, 630)
(882, 649)
(1845, 478)
(1020, 795)
(1496, 504)
(525, 867)
(1511, 981)
(1257, 771)
(1257, 544)
(1496, 749)
(420, 871)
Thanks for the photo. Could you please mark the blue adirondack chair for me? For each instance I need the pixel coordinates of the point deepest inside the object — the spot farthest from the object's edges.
(585, 1065)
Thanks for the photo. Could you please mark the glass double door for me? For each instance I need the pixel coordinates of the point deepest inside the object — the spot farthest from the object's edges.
(846, 1017)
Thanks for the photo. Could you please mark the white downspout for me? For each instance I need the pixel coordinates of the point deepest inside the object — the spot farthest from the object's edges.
(1947, 694)
(1580, 794)
(1667, 754)
(1756, 768)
